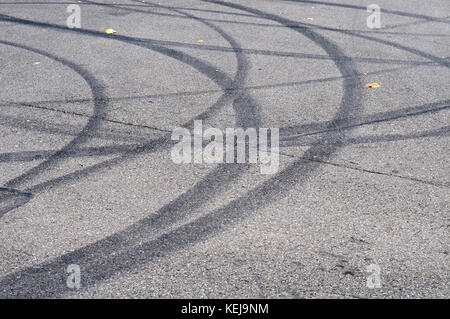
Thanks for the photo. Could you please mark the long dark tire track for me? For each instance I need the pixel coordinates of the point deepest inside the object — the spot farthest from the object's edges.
(152, 236)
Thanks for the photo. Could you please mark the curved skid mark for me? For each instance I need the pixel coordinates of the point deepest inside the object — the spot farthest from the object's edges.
(299, 131)
(288, 25)
(424, 18)
(120, 246)
(240, 98)
(123, 251)
(12, 198)
(350, 123)
(100, 102)
(394, 12)
(218, 77)
(124, 7)
(440, 132)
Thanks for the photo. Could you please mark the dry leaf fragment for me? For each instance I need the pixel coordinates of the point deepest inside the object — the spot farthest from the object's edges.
(372, 85)
(110, 31)
(200, 41)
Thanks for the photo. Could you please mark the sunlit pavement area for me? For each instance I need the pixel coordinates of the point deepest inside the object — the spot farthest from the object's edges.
(357, 209)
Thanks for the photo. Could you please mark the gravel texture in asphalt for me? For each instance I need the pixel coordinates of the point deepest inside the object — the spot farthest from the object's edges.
(87, 177)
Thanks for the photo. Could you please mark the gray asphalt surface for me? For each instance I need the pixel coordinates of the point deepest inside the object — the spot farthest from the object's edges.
(87, 177)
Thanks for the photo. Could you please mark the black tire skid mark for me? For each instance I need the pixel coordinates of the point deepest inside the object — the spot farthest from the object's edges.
(239, 107)
(272, 53)
(93, 255)
(439, 132)
(138, 134)
(123, 7)
(340, 77)
(438, 60)
(161, 142)
(134, 8)
(351, 6)
(276, 53)
(234, 83)
(29, 156)
(12, 198)
(165, 140)
(217, 76)
(108, 150)
(141, 139)
(287, 54)
(441, 61)
(244, 111)
(247, 108)
(100, 101)
(243, 104)
(299, 131)
(425, 18)
(125, 135)
(122, 134)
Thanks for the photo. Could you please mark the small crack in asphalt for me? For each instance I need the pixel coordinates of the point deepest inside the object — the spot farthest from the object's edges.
(370, 171)
(87, 116)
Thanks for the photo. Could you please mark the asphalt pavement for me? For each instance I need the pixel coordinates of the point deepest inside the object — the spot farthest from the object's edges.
(358, 208)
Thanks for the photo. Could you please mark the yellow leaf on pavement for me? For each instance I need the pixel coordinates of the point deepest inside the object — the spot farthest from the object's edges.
(372, 85)
(110, 31)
